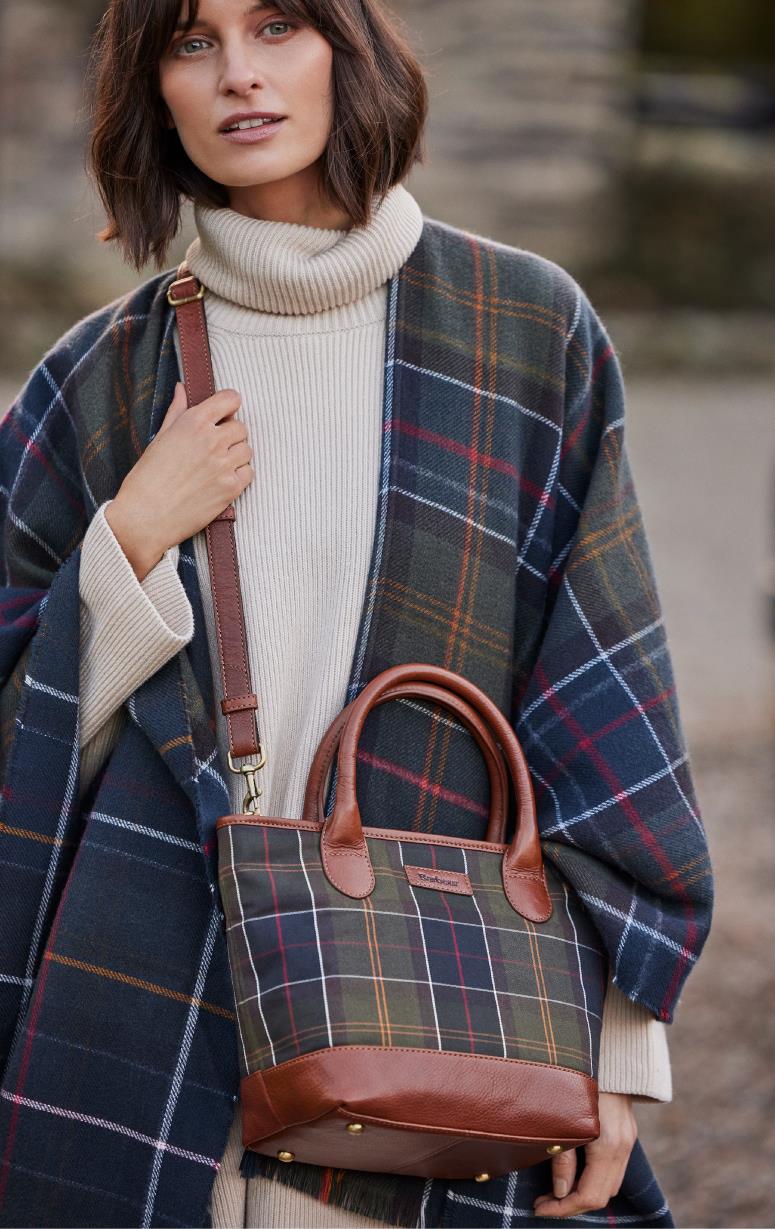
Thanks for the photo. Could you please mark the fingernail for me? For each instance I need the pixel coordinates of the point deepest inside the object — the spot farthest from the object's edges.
(560, 1187)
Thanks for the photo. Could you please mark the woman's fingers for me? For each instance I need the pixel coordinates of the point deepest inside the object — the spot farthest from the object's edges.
(563, 1172)
(600, 1179)
(606, 1163)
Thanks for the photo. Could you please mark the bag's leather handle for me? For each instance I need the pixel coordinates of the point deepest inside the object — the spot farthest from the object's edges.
(314, 797)
(239, 703)
(344, 851)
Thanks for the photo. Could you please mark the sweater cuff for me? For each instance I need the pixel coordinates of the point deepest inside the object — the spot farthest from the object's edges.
(129, 628)
(634, 1055)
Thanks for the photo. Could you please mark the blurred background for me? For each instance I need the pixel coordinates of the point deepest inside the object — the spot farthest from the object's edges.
(634, 143)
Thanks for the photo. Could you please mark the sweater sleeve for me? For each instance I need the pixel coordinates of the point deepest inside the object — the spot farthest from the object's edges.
(634, 1055)
(129, 630)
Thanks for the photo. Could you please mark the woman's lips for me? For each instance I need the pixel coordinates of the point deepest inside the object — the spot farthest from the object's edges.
(249, 136)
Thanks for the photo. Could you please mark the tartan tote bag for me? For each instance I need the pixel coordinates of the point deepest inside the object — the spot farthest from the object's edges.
(407, 1003)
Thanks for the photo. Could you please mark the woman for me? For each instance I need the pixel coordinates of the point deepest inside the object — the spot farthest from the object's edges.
(346, 329)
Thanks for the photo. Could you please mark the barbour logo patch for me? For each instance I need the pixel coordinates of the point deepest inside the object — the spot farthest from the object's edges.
(442, 881)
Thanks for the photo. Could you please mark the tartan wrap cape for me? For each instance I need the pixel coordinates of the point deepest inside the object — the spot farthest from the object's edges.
(508, 546)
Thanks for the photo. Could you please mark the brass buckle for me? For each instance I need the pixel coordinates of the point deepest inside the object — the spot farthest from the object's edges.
(250, 801)
(191, 298)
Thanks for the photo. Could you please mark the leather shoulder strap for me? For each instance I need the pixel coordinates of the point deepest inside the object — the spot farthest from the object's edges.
(239, 702)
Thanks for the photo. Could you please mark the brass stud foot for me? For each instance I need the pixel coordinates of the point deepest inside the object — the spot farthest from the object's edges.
(482, 1178)
(282, 1155)
(355, 1128)
(554, 1148)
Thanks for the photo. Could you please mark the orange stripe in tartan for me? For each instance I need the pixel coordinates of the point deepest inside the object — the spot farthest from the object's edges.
(406, 1034)
(414, 597)
(376, 970)
(411, 599)
(575, 350)
(27, 834)
(438, 629)
(141, 984)
(546, 1015)
(457, 624)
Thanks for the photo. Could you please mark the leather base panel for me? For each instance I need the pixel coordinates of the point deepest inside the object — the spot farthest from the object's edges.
(429, 1113)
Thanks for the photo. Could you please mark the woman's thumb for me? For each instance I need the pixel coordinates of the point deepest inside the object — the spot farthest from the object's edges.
(177, 406)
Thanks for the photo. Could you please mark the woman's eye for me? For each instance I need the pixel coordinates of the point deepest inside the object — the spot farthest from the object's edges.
(287, 25)
(284, 26)
(187, 43)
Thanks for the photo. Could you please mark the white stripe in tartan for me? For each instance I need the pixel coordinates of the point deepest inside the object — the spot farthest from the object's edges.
(183, 1056)
(541, 507)
(58, 391)
(489, 958)
(458, 516)
(536, 775)
(574, 324)
(649, 930)
(581, 974)
(384, 479)
(317, 939)
(20, 524)
(15, 981)
(603, 653)
(482, 392)
(49, 691)
(143, 830)
(424, 948)
(567, 679)
(57, 848)
(615, 798)
(106, 1125)
(241, 924)
(461, 488)
(409, 981)
(545, 938)
(612, 426)
(626, 927)
(426, 1192)
(590, 1218)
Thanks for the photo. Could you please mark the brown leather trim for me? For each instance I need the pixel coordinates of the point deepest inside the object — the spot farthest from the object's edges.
(239, 702)
(378, 834)
(343, 829)
(314, 797)
(441, 881)
(475, 1112)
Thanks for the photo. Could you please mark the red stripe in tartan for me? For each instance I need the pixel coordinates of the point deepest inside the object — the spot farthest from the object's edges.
(40, 987)
(459, 961)
(31, 447)
(590, 739)
(22, 599)
(483, 459)
(276, 911)
(649, 840)
(269, 952)
(424, 783)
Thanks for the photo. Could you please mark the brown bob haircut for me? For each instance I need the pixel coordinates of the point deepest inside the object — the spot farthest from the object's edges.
(140, 167)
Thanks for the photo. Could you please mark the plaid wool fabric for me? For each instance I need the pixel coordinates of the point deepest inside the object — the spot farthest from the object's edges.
(508, 547)
(405, 966)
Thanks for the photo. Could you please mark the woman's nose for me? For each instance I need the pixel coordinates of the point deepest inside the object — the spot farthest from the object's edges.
(240, 72)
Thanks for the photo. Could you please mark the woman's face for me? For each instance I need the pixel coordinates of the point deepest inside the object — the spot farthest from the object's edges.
(240, 58)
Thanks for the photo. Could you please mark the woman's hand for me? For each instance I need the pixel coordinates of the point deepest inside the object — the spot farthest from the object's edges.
(197, 463)
(606, 1161)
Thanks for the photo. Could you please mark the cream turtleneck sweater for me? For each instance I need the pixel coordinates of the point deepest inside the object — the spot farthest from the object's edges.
(296, 319)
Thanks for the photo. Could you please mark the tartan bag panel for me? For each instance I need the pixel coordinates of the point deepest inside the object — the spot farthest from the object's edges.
(407, 966)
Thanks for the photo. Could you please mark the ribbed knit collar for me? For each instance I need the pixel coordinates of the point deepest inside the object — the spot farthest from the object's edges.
(289, 269)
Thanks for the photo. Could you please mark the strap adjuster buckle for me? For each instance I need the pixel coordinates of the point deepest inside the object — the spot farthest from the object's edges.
(191, 298)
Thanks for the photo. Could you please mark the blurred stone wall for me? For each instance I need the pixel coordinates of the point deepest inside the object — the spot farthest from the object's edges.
(531, 119)
(539, 136)
(528, 130)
